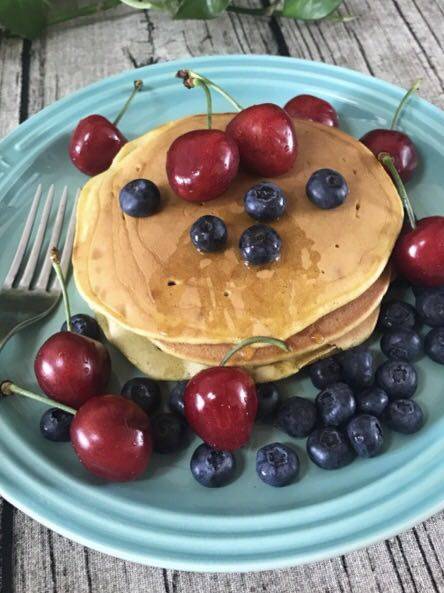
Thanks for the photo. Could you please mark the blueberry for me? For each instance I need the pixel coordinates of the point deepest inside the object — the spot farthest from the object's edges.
(434, 344)
(402, 344)
(209, 234)
(143, 392)
(175, 400)
(265, 202)
(430, 306)
(398, 378)
(139, 198)
(327, 189)
(169, 432)
(277, 464)
(268, 400)
(366, 435)
(259, 245)
(297, 416)
(358, 367)
(395, 315)
(212, 468)
(55, 425)
(372, 400)
(85, 325)
(329, 448)
(324, 372)
(336, 404)
(404, 415)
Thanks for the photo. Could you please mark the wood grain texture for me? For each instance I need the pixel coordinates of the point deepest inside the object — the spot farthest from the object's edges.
(397, 40)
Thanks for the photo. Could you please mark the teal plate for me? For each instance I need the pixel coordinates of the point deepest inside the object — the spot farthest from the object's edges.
(166, 519)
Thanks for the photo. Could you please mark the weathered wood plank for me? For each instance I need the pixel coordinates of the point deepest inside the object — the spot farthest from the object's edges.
(10, 83)
(390, 40)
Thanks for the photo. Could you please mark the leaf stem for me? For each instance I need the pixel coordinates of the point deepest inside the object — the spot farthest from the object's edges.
(55, 258)
(192, 79)
(415, 86)
(254, 340)
(387, 160)
(138, 84)
(9, 388)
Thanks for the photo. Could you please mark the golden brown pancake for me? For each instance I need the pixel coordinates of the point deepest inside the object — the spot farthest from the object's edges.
(146, 275)
(154, 363)
(323, 331)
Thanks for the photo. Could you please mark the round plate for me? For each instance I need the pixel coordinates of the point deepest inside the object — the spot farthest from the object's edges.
(166, 518)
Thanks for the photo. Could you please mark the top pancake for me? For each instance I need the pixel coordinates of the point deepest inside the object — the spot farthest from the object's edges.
(146, 274)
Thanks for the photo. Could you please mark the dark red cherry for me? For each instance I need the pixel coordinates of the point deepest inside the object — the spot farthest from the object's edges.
(266, 139)
(419, 252)
(202, 164)
(221, 405)
(398, 145)
(111, 436)
(96, 141)
(313, 109)
(71, 368)
(94, 144)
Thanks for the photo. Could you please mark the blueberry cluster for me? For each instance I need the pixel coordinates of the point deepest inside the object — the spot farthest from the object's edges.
(259, 244)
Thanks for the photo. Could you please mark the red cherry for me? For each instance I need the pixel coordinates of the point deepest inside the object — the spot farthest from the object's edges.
(111, 436)
(266, 139)
(72, 368)
(221, 405)
(313, 109)
(94, 144)
(96, 141)
(202, 164)
(419, 252)
(398, 145)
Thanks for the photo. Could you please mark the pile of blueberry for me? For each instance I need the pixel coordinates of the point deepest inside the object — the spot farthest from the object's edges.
(357, 401)
(265, 202)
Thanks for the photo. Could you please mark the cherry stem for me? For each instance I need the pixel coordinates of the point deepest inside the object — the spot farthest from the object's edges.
(409, 93)
(209, 100)
(9, 388)
(138, 84)
(192, 79)
(55, 258)
(387, 160)
(254, 340)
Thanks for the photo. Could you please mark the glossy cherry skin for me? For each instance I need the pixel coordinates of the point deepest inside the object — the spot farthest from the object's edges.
(313, 109)
(419, 253)
(111, 436)
(71, 368)
(221, 405)
(94, 144)
(398, 145)
(266, 139)
(202, 164)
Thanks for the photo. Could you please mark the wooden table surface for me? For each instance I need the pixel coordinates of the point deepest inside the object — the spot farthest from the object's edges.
(397, 40)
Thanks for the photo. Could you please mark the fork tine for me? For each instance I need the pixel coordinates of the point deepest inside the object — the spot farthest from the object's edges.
(45, 272)
(21, 248)
(67, 248)
(35, 251)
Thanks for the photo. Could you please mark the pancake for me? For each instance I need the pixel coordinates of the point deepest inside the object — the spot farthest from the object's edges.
(154, 363)
(323, 331)
(146, 275)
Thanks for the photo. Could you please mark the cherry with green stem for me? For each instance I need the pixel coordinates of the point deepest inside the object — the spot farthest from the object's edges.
(71, 368)
(419, 251)
(397, 144)
(109, 433)
(221, 402)
(96, 141)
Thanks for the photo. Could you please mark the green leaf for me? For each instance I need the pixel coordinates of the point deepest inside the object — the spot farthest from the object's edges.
(26, 18)
(201, 9)
(309, 10)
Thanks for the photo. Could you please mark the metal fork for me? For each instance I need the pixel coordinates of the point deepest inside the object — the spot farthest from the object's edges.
(21, 305)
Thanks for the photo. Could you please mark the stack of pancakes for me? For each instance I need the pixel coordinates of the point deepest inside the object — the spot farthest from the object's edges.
(173, 311)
